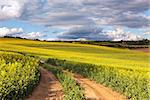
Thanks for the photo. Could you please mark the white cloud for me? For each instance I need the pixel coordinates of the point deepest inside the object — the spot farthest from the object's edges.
(147, 33)
(32, 35)
(19, 32)
(11, 8)
(119, 34)
(4, 31)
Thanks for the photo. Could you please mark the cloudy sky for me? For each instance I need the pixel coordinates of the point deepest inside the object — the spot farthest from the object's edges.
(76, 19)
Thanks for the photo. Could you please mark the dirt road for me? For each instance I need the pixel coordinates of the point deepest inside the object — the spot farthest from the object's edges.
(95, 91)
(49, 88)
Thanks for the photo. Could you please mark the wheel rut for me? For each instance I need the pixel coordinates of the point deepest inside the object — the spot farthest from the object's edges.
(95, 91)
(49, 88)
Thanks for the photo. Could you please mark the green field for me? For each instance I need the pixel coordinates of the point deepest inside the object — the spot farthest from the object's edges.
(123, 70)
(18, 75)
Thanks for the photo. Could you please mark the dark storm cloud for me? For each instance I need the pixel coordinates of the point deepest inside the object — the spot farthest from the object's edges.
(86, 32)
(96, 33)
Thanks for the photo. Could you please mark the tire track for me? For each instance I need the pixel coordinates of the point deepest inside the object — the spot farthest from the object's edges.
(49, 88)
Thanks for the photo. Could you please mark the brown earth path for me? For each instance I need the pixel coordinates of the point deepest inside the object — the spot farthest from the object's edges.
(95, 91)
(142, 49)
(48, 88)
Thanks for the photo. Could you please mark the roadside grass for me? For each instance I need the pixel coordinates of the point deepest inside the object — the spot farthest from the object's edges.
(72, 91)
(134, 84)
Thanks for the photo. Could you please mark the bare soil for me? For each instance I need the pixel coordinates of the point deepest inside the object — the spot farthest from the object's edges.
(143, 49)
(95, 91)
(49, 88)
